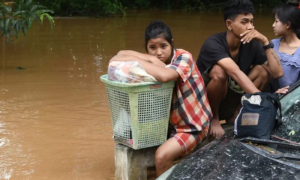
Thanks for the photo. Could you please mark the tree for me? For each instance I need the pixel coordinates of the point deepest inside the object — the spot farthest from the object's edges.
(20, 16)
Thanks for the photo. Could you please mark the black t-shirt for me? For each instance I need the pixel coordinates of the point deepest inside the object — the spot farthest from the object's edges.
(215, 48)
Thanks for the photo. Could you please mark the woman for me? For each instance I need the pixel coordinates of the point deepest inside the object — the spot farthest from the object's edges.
(287, 25)
(191, 112)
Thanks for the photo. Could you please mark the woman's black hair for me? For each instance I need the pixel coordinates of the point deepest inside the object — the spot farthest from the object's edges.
(156, 29)
(289, 13)
(235, 7)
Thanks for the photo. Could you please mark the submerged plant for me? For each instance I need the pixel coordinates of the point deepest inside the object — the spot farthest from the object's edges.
(20, 17)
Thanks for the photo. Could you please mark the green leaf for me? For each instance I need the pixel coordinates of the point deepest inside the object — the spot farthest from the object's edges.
(7, 24)
(25, 12)
(50, 18)
(39, 12)
(292, 133)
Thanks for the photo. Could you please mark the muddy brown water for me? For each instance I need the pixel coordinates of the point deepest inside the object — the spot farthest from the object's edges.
(54, 115)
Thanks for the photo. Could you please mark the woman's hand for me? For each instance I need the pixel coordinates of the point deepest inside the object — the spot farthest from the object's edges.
(283, 90)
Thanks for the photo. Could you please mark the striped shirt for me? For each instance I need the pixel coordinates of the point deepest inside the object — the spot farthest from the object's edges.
(191, 111)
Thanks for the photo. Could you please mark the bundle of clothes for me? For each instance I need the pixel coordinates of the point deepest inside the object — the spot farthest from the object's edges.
(128, 72)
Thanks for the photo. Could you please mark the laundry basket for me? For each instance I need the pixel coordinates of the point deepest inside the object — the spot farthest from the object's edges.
(139, 112)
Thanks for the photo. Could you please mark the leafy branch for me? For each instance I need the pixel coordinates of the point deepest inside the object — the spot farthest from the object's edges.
(20, 17)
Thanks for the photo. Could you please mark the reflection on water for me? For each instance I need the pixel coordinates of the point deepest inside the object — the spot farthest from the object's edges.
(54, 115)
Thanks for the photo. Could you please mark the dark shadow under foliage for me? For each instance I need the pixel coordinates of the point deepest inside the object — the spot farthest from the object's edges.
(84, 7)
(117, 7)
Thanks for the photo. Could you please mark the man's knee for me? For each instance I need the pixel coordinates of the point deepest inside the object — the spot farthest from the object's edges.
(217, 73)
(259, 76)
(261, 71)
(217, 87)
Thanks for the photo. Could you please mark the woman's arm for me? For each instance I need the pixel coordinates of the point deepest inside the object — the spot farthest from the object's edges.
(283, 90)
(273, 64)
(160, 73)
(141, 56)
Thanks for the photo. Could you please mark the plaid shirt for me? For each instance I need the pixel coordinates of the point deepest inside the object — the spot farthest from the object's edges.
(191, 111)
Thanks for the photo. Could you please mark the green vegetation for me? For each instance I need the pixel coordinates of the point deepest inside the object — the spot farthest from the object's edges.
(117, 7)
(189, 4)
(84, 7)
(20, 16)
(268, 3)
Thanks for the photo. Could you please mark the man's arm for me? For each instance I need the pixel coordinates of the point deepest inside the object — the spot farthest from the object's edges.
(272, 64)
(160, 73)
(145, 57)
(240, 77)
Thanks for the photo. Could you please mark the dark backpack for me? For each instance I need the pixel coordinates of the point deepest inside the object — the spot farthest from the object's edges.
(258, 118)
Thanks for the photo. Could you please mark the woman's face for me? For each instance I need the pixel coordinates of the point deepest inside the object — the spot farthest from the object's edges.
(160, 48)
(280, 28)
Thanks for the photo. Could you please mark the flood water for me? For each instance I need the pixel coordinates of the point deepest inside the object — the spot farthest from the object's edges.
(54, 115)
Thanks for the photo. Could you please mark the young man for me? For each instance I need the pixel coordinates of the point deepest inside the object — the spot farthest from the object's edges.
(235, 62)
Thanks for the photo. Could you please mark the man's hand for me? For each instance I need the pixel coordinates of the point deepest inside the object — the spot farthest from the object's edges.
(249, 35)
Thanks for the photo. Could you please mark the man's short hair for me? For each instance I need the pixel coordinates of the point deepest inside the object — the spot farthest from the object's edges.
(235, 7)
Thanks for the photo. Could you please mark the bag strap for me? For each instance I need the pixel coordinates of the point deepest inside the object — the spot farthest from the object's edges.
(278, 105)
